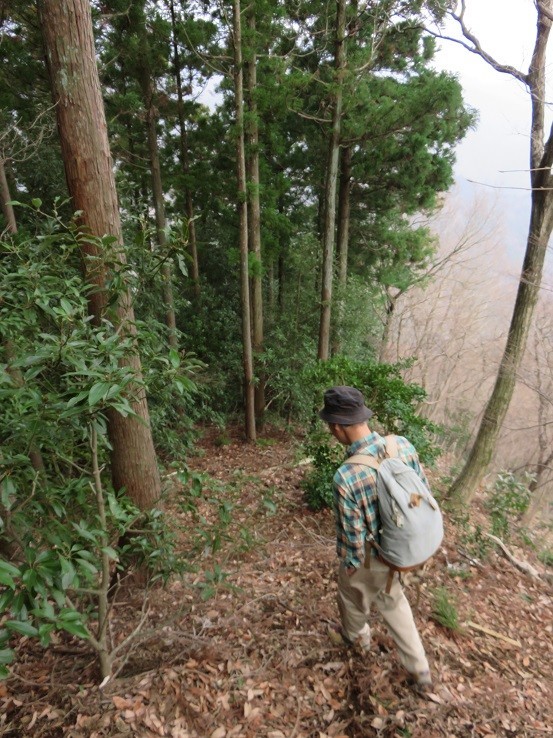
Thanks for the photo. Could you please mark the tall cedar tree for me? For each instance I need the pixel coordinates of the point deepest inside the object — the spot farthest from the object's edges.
(70, 53)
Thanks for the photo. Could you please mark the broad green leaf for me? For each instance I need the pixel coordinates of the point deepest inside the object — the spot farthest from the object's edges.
(97, 392)
(74, 628)
(66, 305)
(174, 358)
(7, 490)
(111, 552)
(69, 573)
(88, 566)
(29, 578)
(8, 568)
(7, 655)
(76, 399)
(58, 596)
(6, 598)
(44, 633)
(18, 626)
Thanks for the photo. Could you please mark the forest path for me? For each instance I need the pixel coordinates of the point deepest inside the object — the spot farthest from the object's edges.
(239, 647)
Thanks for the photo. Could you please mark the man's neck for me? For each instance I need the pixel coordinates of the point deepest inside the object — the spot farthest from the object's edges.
(356, 432)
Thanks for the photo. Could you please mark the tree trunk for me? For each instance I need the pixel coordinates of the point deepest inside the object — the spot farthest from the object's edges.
(539, 233)
(7, 208)
(148, 98)
(243, 226)
(70, 53)
(330, 186)
(254, 219)
(342, 243)
(159, 210)
(185, 162)
(388, 315)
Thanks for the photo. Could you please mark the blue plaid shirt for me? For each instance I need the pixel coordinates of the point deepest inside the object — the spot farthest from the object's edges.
(355, 499)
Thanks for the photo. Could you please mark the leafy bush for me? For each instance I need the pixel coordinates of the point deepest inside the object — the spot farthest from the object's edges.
(392, 400)
(546, 557)
(508, 502)
(61, 522)
(327, 457)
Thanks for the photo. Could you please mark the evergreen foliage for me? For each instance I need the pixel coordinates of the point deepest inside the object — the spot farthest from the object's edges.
(62, 372)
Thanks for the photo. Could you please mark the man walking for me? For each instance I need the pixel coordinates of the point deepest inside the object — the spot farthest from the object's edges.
(363, 580)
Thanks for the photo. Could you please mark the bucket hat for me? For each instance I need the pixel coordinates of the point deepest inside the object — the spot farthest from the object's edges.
(344, 406)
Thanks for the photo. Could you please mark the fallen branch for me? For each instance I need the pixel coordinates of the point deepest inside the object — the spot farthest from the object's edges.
(493, 633)
(522, 565)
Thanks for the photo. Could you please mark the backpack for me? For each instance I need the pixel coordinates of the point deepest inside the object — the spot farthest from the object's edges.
(411, 521)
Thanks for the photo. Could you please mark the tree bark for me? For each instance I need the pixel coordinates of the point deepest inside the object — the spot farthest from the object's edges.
(247, 355)
(328, 234)
(148, 96)
(342, 241)
(539, 233)
(254, 218)
(70, 53)
(185, 162)
(7, 208)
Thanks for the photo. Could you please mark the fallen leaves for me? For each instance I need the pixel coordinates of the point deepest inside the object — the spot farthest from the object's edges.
(256, 661)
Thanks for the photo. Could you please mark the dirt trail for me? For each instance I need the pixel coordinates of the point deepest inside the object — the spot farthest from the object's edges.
(239, 648)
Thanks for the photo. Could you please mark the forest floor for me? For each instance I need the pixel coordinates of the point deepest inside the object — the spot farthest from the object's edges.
(240, 647)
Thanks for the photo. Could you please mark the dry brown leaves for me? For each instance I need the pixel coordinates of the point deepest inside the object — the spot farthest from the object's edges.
(255, 661)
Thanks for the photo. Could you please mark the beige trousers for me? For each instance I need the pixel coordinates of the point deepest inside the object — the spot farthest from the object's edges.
(356, 594)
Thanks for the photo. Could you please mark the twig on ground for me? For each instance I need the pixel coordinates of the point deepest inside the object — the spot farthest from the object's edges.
(493, 633)
(470, 559)
(316, 536)
(522, 565)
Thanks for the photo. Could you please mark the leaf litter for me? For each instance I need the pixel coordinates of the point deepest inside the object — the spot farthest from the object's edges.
(254, 660)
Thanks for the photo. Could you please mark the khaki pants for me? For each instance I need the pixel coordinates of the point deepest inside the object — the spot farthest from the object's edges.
(358, 592)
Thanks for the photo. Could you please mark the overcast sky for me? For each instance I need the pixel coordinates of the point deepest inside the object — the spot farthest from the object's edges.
(506, 29)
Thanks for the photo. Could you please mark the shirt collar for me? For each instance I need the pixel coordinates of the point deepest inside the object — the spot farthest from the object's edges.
(370, 444)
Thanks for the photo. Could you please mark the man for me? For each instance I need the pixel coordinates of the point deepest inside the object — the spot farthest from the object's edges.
(363, 580)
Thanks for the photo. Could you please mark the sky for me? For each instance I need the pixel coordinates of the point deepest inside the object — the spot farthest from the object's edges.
(495, 155)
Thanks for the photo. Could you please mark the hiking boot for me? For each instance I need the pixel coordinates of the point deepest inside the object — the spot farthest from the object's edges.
(339, 638)
(422, 682)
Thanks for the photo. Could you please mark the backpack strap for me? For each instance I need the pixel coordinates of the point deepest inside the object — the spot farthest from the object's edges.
(391, 447)
(364, 460)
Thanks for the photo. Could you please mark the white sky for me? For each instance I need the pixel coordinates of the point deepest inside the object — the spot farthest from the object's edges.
(506, 29)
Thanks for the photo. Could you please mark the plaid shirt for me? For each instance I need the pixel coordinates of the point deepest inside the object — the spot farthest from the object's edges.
(355, 499)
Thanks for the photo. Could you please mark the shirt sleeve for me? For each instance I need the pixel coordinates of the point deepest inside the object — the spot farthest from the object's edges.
(355, 513)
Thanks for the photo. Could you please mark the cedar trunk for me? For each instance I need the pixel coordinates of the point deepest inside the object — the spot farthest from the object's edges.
(185, 163)
(330, 186)
(7, 207)
(69, 46)
(247, 355)
(254, 221)
(344, 208)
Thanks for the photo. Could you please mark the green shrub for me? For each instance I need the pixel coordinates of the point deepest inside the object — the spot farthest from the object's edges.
(60, 519)
(508, 501)
(393, 401)
(317, 484)
(546, 557)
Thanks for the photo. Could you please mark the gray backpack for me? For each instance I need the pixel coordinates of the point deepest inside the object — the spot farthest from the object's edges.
(411, 522)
